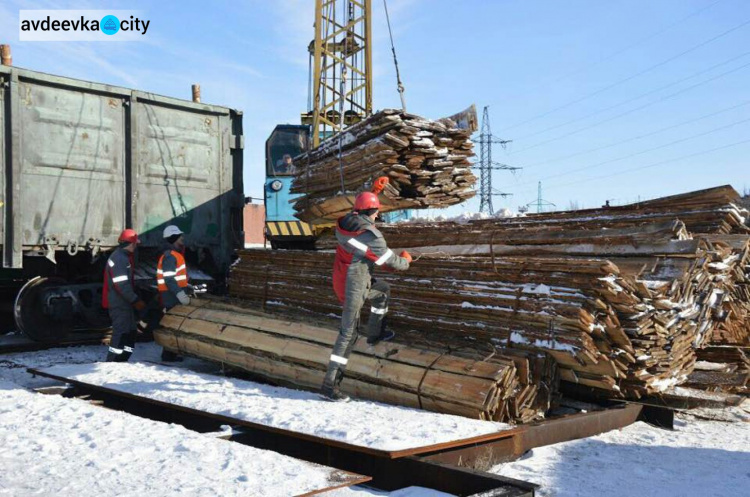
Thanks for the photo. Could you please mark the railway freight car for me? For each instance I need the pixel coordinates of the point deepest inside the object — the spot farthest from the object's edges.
(80, 162)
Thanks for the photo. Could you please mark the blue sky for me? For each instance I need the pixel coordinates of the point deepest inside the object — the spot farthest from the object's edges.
(604, 100)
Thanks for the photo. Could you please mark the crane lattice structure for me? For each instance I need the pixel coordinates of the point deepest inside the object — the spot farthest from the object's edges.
(487, 165)
(341, 67)
(540, 203)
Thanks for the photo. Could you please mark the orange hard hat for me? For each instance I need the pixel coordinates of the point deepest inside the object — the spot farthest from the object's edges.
(366, 200)
(128, 236)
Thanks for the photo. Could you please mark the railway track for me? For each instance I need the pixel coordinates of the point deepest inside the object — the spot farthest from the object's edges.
(15, 342)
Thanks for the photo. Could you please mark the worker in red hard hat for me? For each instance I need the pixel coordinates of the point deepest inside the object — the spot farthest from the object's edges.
(119, 297)
(361, 248)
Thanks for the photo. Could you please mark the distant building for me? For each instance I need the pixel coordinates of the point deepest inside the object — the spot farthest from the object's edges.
(254, 222)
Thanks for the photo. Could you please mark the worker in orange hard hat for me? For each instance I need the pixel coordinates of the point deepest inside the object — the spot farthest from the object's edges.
(119, 297)
(361, 248)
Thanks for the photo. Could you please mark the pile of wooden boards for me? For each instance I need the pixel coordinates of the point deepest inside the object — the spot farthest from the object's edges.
(621, 297)
(722, 369)
(462, 381)
(426, 161)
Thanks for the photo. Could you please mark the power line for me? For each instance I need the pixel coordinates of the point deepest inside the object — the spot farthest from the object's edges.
(681, 80)
(654, 164)
(617, 159)
(639, 137)
(629, 78)
(696, 154)
(628, 112)
(621, 51)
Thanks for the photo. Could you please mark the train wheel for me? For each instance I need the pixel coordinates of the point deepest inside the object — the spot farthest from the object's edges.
(30, 316)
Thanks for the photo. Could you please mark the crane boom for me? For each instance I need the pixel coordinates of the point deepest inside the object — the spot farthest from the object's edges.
(341, 56)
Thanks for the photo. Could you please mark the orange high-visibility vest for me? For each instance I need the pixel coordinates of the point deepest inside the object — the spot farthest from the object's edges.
(180, 275)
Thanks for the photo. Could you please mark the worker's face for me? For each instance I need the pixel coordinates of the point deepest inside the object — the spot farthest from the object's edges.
(374, 215)
(130, 247)
(180, 243)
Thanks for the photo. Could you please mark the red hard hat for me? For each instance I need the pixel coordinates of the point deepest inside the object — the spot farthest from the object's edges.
(366, 200)
(128, 235)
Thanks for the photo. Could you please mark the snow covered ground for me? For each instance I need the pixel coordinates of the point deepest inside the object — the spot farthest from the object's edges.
(57, 446)
(365, 424)
(13, 366)
(699, 458)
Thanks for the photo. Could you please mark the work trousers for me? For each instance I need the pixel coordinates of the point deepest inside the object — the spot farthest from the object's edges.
(378, 292)
(124, 330)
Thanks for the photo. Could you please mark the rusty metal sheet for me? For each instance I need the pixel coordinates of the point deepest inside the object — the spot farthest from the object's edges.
(387, 473)
(301, 436)
(547, 432)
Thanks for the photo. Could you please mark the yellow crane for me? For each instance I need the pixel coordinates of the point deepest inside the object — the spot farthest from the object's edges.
(340, 94)
(341, 67)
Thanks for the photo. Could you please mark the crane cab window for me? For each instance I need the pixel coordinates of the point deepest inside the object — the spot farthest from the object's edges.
(281, 149)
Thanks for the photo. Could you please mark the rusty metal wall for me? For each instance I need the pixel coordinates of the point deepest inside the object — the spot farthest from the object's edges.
(81, 161)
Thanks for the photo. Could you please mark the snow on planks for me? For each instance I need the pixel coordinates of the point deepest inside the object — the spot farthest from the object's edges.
(369, 427)
(60, 446)
(620, 296)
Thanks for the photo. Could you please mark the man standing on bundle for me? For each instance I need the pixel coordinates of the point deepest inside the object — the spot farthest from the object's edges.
(361, 247)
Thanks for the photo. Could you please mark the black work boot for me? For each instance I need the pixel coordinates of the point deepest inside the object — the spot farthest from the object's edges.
(330, 390)
(333, 394)
(384, 336)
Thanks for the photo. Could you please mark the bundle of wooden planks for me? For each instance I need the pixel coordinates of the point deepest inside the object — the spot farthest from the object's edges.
(426, 161)
(464, 381)
(606, 329)
(621, 297)
(662, 234)
(722, 369)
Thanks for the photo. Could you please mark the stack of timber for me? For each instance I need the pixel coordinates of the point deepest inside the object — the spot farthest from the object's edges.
(734, 327)
(620, 297)
(426, 161)
(605, 329)
(708, 223)
(722, 369)
(714, 211)
(463, 382)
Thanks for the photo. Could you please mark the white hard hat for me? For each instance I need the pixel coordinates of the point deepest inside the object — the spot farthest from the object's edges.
(172, 230)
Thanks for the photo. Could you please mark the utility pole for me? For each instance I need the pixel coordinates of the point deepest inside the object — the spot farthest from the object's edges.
(487, 165)
(540, 203)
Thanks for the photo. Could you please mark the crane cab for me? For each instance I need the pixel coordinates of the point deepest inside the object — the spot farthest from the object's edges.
(283, 229)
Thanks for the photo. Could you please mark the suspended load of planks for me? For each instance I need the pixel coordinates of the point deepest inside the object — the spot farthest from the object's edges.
(621, 297)
(464, 382)
(426, 161)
